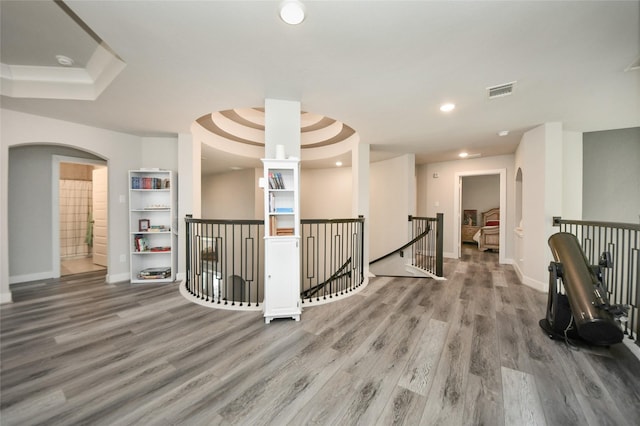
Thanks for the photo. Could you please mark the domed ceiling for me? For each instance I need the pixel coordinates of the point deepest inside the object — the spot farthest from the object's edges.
(241, 132)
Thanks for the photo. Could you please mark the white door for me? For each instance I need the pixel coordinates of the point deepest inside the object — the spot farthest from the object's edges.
(282, 284)
(100, 209)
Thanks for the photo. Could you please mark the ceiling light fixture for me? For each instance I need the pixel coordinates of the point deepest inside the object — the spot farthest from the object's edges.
(503, 133)
(447, 107)
(292, 12)
(65, 61)
(338, 163)
(463, 155)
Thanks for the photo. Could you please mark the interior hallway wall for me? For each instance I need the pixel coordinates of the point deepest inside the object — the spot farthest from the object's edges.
(229, 195)
(33, 220)
(611, 185)
(391, 201)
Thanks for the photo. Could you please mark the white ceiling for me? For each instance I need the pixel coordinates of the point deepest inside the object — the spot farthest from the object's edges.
(381, 67)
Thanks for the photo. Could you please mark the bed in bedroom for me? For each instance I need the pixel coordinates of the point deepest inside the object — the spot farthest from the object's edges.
(488, 236)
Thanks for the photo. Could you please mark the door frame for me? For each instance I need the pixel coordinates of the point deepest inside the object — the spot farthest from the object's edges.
(55, 204)
(457, 208)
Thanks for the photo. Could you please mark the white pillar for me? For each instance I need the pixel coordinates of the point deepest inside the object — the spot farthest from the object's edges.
(189, 191)
(5, 293)
(282, 127)
(360, 196)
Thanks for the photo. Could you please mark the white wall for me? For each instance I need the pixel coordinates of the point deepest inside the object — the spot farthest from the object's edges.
(325, 193)
(122, 152)
(5, 294)
(548, 169)
(440, 193)
(229, 195)
(612, 176)
(572, 175)
(392, 200)
(530, 159)
(159, 152)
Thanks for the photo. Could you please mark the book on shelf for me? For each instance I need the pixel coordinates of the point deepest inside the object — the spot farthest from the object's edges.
(284, 231)
(283, 210)
(276, 181)
(143, 182)
(160, 249)
(141, 243)
(155, 273)
(278, 231)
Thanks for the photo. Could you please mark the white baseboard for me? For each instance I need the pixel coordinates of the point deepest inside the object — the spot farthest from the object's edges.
(117, 278)
(30, 277)
(6, 298)
(449, 255)
(181, 276)
(417, 272)
(530, 282)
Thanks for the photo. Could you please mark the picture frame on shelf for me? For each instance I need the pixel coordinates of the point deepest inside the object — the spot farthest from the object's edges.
(144, 225)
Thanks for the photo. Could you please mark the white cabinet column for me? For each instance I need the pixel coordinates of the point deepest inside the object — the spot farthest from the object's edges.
(282, 239)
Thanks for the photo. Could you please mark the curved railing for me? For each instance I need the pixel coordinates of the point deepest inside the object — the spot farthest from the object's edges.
(332, 258)
(425, 247)
(225, 260)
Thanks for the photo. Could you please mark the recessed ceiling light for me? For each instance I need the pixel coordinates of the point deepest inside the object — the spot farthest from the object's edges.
(65, 61)
(463, 155)
(292, 12)
(503, 133)
(338, 163)
(235, 168)
(447, 107)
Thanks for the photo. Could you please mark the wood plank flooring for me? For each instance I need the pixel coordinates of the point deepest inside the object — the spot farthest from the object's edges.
(404, 351)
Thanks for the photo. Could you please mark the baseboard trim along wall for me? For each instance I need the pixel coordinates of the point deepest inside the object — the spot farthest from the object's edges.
(117, 278)
(5, 298)
(530, 282)
(30, 277)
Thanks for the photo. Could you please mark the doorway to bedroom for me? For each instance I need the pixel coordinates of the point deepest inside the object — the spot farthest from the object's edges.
(479, 207)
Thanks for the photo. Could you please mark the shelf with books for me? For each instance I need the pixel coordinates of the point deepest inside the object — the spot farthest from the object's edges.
(281, 197)
(152, 219)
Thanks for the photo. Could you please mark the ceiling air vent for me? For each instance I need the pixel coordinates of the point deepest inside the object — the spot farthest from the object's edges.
(501, 90)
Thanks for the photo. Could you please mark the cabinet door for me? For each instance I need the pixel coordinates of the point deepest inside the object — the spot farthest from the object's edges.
(282, 288)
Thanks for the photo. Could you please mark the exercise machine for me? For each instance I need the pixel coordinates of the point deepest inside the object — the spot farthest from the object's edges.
(582, 311)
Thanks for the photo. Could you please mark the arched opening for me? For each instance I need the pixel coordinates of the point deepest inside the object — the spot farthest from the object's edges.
(519, 199)
(33, 207)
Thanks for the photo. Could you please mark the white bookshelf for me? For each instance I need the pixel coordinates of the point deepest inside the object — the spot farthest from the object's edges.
(152, 226)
